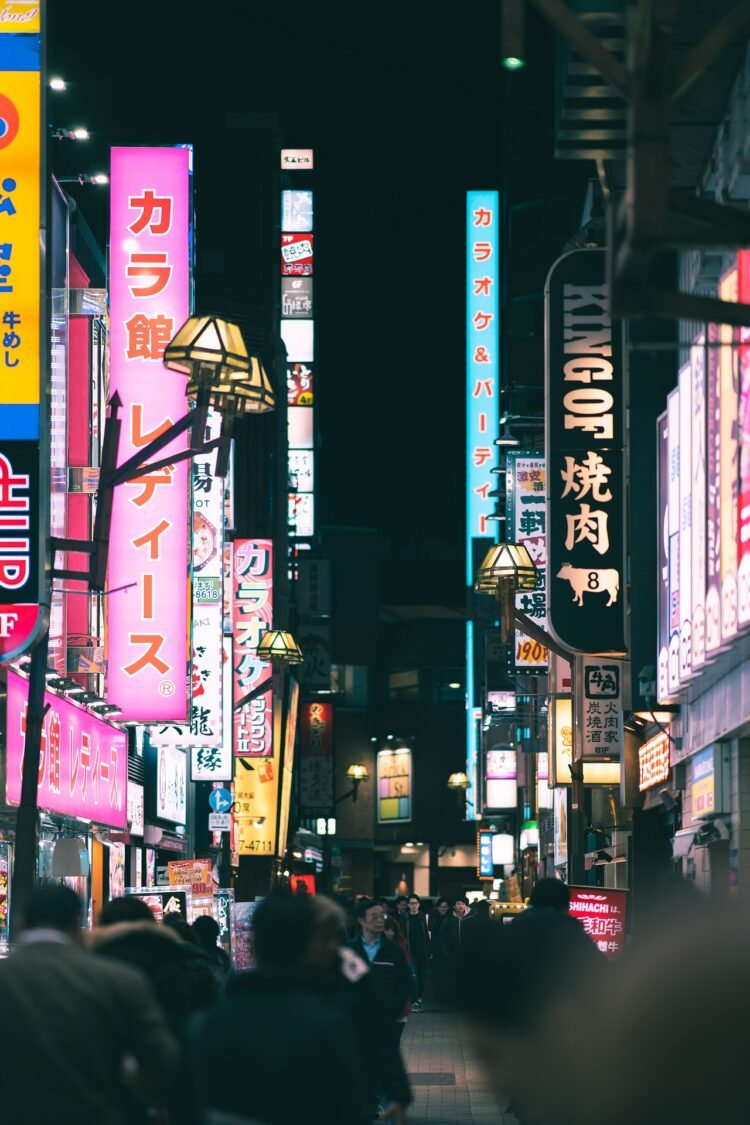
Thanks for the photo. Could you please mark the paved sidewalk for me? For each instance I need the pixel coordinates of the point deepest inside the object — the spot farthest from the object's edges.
(448, 1085)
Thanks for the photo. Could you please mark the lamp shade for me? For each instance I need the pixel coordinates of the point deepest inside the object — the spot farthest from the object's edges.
(277, 646)
(509, 562)
(212, 353)
(356, 772)
(458, 781)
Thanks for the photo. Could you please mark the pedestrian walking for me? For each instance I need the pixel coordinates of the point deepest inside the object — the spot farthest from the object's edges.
(306, 1066)
(418, 943)
(387, 961)
(392, 931)
(206, 931)
(437, 964)
(402, 906)
(179, 973)
(74, 1023)
(452, 934)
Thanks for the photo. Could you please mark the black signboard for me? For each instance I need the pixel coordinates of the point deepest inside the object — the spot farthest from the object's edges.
(585, 395)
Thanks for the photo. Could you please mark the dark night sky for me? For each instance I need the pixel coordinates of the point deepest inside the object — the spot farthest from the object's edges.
(404, 109)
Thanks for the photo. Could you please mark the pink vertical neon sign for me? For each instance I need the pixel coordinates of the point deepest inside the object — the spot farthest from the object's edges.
(252, 615)
(149, 301)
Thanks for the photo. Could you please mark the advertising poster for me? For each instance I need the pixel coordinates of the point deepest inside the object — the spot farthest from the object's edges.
(194, 873)
(602, 913)
(243, 944)
(394, 785)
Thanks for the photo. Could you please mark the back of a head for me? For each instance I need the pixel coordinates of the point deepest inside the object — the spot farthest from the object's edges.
(52, 908)
(550, 894)
(126, 909)
(206, 931)
(283, 926)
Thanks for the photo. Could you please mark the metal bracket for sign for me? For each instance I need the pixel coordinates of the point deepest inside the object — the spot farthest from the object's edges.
(651, 218)
(111, 475)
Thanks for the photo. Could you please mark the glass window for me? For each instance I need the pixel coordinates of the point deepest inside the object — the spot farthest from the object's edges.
(349, 682)
(403, 685)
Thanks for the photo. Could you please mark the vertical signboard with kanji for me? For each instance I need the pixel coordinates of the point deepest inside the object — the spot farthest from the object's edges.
(713, 507)
(316, 781)
(662, 533)
(527, 521)
(252, 615)
(698, 500)
(743, 516)
(728, 461)
(482, 364)
(601, 703)
(673, 447)
(482, 418)
(24, 429)
(684, 524)
(585, 390)
(147, 624)
(297, 332)
(205, 727)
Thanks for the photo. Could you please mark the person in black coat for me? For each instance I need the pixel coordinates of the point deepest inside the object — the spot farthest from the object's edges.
(284, 1022)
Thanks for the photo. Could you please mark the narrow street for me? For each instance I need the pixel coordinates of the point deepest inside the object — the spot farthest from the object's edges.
(448, 1084)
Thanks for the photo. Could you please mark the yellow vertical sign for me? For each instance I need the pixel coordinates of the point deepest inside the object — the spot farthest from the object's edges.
(20, 16)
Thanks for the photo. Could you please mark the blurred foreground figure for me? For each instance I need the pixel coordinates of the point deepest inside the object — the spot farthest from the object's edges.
(673, 1025)
(524, 988)
(276, 1050)
(71, 1020)
(179, 973)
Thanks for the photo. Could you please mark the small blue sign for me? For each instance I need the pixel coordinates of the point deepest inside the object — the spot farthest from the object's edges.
(486, 868)
(220, 800)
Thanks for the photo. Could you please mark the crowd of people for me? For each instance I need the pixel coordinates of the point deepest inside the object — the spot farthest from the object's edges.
(139, 1021)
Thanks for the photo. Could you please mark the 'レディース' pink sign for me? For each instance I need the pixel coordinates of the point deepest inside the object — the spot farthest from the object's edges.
(149, 301)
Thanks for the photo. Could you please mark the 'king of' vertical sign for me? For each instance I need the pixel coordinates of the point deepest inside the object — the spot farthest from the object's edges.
(585, 392)
(148, 555)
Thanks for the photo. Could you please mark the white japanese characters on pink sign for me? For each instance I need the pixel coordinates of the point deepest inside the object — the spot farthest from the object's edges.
(83, 765)
(149, 301)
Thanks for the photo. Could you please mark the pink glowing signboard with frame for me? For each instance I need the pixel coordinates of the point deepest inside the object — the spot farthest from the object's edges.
(83, 765)
(148, 554)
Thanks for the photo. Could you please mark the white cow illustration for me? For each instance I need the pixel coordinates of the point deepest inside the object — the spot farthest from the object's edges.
(585, 581)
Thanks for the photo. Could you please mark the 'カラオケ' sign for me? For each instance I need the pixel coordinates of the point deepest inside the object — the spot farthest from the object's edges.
(148, 553)
(585, 393)
(23, 503)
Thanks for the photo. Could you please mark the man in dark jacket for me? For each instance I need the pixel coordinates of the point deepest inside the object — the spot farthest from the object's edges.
(299, 1041)
(418, 943)
(387, 962)
(70, 1021)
